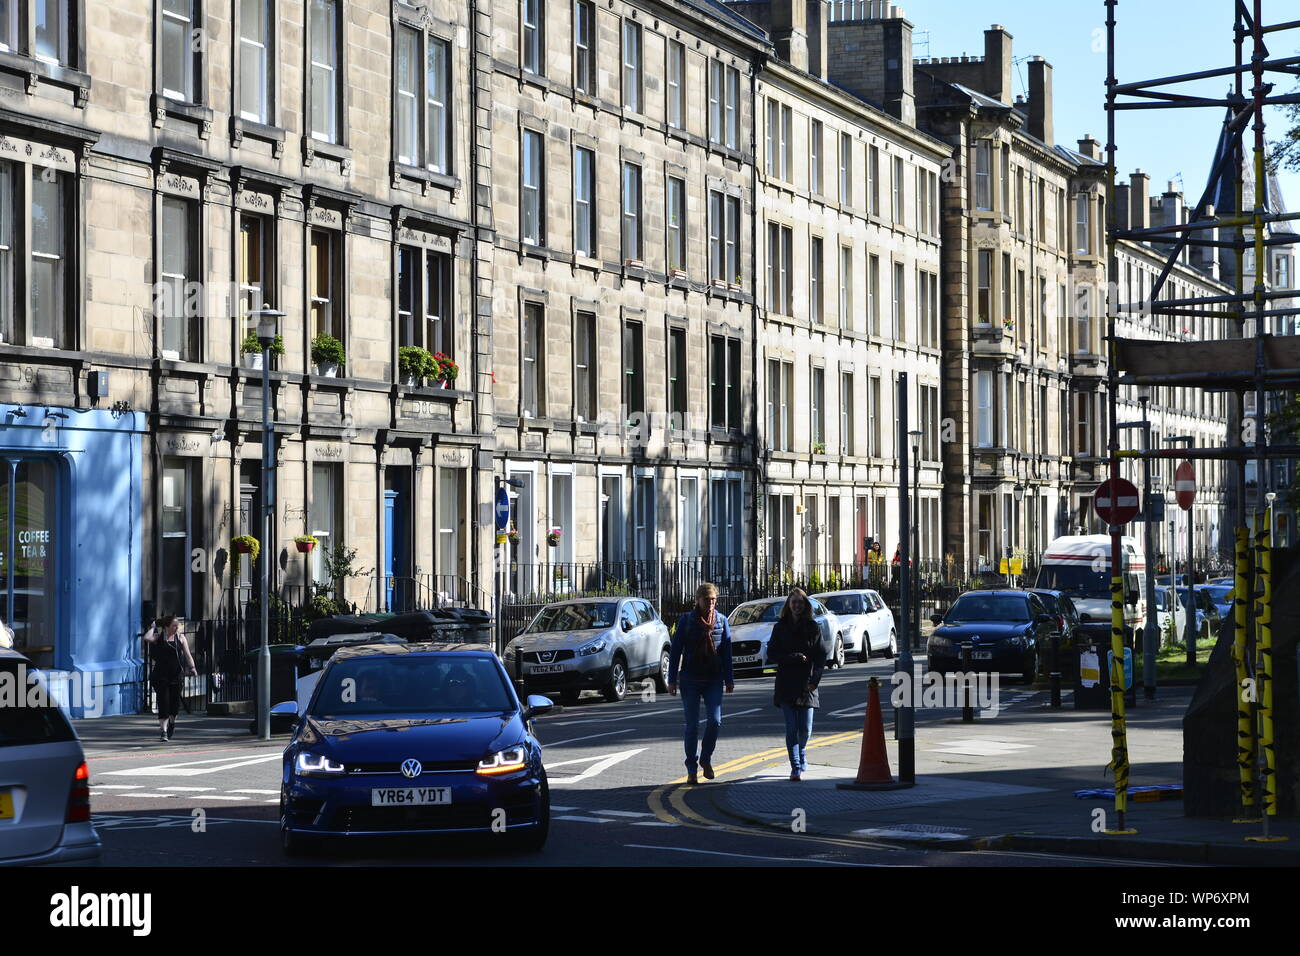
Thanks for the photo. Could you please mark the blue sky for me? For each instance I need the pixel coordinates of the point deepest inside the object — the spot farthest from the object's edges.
(1153, 38)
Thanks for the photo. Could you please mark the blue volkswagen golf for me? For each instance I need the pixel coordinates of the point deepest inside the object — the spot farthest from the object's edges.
(415, 739)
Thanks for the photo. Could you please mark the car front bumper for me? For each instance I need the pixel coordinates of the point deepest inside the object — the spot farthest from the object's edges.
(1002, 658)
(312, 805)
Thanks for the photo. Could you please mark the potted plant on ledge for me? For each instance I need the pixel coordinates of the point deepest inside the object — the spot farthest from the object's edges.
(305, 543)
(447, 370)
(415, 363)
(251, 350)
(819, 448)
(327, 354)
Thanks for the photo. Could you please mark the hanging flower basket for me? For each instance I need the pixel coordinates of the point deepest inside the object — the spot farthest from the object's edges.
(305, 543)
(553, 537)
(246, 544)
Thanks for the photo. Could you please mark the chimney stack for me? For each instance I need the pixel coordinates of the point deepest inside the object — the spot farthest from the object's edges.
(790, 31)
(1040, 99)
(1139, 200)
(819, 17)
(1090, 147)
(1122, 206)
(997, 63)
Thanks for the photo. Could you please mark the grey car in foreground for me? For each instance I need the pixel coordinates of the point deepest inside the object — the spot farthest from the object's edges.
(595, 643)
(44, 781)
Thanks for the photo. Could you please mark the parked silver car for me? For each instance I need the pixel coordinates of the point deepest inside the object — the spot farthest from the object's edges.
(596, 643)
(866, 623)
(751, 629)
(44, 781)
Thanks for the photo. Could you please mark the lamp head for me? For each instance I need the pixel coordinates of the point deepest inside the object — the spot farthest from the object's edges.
(915, 437)
(268, 324)
(1144, 393)
(1019, 493)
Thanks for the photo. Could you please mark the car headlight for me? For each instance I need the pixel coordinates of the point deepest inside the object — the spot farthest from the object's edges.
(939, 643)
(1018, 641)
(510, 760)
(510, 652)
(593, 647)
(316, 765)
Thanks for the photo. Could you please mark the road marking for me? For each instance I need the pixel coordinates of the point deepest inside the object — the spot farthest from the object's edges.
(738, 713)
(610, 720)
(751, 856)
(575, 740)
(191, 768)
(584, 819)
(189, 789)
(149, 795)
(216, 796)
(601, 764)
(622, 813)
(741, 763)
(654, 823)
(272, 792)
(556, 809)
(118, 786)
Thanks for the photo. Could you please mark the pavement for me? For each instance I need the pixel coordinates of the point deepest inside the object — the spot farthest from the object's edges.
(1006, 783)
(140, 732)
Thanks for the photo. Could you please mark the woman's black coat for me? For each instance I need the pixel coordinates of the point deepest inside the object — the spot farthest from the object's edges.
(796, 681)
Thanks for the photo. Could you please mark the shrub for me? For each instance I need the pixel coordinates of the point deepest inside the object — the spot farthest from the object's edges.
(251, 345)
(416, 361)
(326, 349)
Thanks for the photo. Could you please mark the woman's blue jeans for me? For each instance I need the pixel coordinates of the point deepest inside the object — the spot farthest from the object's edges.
(798, 728)
(692, 693)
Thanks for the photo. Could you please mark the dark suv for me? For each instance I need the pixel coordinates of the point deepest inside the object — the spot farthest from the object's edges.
(1007, 631)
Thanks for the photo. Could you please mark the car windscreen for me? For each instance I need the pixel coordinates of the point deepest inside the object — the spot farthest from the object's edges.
(1077, 579)
(1219, 594)
(845, 604)
(755, 613)
(1162, 600)
(423, 684)
(28, 714)
(574, 617)
(988, 607)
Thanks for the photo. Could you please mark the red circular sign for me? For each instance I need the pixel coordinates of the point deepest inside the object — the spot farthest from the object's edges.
(1185, 485)
(1116, 501)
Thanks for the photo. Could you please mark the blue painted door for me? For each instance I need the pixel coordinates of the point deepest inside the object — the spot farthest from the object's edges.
(391, 546)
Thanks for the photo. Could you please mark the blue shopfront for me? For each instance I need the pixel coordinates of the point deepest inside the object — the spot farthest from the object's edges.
(70, 542)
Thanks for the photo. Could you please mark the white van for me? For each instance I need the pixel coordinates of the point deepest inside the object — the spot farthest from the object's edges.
(1080, 566)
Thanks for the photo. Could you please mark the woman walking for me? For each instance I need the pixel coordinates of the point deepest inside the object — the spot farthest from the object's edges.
(701, 645)
(171, 660)
(796, 649)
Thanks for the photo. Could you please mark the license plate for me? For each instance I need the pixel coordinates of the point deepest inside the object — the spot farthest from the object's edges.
(746, 659)
(545, 668)
(410, 796)
(982, 655)
(6, 805)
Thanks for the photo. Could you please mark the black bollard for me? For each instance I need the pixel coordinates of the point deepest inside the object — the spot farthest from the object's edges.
(967, 709)
(1056, 671)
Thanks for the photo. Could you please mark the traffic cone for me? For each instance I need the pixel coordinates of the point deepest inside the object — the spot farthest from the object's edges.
(873, 764)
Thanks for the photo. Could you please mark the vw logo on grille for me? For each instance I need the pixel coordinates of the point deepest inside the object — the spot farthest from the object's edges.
(546, 656)
(411, 768)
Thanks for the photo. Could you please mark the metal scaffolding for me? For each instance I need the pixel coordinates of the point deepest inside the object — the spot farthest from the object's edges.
(1220, 366)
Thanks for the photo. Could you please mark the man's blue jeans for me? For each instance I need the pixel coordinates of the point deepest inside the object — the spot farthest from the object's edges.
(798, 728)
(692, 693)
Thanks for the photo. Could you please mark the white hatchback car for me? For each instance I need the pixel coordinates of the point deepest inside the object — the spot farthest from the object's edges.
(44, 781)
(867, 623)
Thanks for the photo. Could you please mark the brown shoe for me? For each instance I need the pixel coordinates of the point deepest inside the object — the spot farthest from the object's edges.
(795, 776)
(708, 771)
(692, 779)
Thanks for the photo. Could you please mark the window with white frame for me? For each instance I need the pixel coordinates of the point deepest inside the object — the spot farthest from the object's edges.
(322, 517)
(846, 169)
(780, 404)
(584, 50)
(584, 202)
(724, 382)
(1083, 318)
(324, 284)
(733, 240)
(52, 27)
(846, 287)
(816, 135)
(532, 173)
(676, 92)
(984, 175)
(726, 525)
(632, 249)
(1004, 182)
(1006, 287)
(780, 268)
(848, 443)
(424, 299)
(181, 62)
(584, 367)
(873, 179)
(984, 289)
(256, 59)
(178, 268)
(724, 104)
(875, 412)
(255, 266)
(1083, 424)
(873, 293)
(678, 412)
(896, 192)
(326, 89)
(984, 434)
(676, 215)
(532, 43)
(532, 391)
(688, 518)
(818, 395)
(816, 281)
(632, 74)
(899, 303)
(1082, 226)
(422, 100)
(451, 528)
(175, 586)
(633, 368)
(780, 530)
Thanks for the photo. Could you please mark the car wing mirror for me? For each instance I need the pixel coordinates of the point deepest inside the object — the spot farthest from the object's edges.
(536, 706)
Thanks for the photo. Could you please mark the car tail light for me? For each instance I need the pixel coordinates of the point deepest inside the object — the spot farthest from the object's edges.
(79, 799)
(1060, 622)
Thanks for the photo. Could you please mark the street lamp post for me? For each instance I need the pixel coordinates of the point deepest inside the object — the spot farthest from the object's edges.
(267, 321)
(1018, 492)
(1189, 623)
(915, 437)
(904, 720)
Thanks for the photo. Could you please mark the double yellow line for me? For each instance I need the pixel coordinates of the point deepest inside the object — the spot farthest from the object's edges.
(766, 756)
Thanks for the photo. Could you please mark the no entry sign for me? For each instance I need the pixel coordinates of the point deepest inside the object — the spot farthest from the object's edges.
(1185, 485)
(1116, 501)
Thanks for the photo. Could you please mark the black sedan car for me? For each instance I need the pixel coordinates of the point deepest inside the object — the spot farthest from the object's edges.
(1059, 605)
(1006, 630)
(415, 739)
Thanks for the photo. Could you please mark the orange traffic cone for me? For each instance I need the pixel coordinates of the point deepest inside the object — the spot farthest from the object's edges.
(873, 765)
